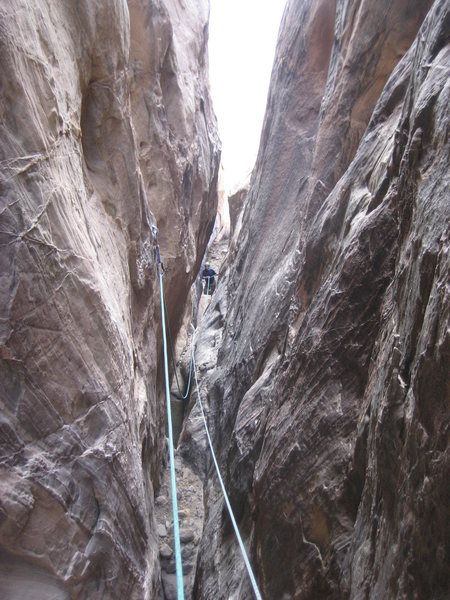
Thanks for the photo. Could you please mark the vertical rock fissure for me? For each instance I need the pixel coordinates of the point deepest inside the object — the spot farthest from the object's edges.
(329, 313)
(323, 354)
(101, 119)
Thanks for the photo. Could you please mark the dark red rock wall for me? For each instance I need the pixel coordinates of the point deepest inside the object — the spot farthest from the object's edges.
(329, 400)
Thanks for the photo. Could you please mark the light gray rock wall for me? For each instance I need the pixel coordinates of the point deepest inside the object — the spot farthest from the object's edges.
(324, 356)
(95, 145)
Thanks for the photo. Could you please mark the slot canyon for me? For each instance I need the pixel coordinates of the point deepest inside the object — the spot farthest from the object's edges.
(323, 355)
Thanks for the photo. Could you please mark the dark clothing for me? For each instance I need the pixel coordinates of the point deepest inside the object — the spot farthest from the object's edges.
(209, 273)
(210, 282)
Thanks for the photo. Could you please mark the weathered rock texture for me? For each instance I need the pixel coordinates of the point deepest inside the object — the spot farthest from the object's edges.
(101, 132)
(177, 133)
(324, 355)
(190, 504)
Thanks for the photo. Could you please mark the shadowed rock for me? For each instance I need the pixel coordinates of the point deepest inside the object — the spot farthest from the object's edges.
(106, 123)
(325, 350)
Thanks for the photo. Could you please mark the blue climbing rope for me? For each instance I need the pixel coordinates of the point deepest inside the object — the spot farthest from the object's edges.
(173, 484)
(176, 526)
(225, 495)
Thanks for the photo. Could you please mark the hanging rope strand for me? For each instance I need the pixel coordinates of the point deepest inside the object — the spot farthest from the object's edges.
(176, 526)
(173, 484)
(172, 353)
(225, 495)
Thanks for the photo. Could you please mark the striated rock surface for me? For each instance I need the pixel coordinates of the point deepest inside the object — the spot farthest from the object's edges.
(324, 355)
(179, 148)
(106, 128)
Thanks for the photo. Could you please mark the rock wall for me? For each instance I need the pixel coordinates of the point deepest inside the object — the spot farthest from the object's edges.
(106, 129)
(179, 148)
(324, 355)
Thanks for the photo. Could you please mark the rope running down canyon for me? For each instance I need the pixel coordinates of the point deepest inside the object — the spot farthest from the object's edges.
(225, 495)
(173, 484)
(178, 564)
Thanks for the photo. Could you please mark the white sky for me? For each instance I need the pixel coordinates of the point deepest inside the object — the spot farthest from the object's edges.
(242, 38)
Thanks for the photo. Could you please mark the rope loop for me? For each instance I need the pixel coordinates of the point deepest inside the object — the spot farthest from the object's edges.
(192, 369)
(225, 495)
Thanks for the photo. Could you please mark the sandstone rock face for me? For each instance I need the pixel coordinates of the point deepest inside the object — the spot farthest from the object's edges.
(179, 148)
(324, 356)
(106, 128)
(190, 503)
(236, 203)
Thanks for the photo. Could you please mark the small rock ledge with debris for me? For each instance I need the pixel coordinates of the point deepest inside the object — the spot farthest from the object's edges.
(190, 512)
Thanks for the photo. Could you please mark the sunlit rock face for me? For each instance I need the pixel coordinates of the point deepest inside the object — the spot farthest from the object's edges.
(324, 356)
(106, 129)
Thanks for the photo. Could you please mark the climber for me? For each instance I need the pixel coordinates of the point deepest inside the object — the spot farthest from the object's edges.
(210, 282)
